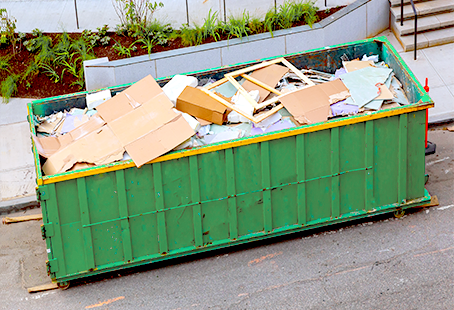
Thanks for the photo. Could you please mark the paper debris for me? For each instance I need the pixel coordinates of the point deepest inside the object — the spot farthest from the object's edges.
(362, 84)
(176, 85)
(95, 99)
(242, 104)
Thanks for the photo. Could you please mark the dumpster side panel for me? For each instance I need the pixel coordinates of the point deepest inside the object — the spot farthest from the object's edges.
(318, 170)
(416, 154)
(141, 202)
(385, 160)
(248, 178)
(352, 152)
(283, 166)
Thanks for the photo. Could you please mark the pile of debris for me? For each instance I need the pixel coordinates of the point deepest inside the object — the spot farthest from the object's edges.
(146, 121)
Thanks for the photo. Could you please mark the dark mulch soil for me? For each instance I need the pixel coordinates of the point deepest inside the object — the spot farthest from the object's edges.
(42, 86)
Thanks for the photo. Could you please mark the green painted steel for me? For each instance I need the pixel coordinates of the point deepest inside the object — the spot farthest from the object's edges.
(169, 209)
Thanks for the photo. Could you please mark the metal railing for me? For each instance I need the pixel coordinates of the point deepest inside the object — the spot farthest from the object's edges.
(416, 21)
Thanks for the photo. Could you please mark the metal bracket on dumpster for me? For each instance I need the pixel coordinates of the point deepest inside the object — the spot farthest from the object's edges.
(43, 193)
(47, 230)
(51, 266)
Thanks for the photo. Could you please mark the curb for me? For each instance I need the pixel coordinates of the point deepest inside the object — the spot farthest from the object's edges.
(19, 204)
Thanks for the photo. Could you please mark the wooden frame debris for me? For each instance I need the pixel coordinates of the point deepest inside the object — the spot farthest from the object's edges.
(230, 77)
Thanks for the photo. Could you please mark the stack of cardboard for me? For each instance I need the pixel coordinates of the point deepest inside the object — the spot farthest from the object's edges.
(140, 120)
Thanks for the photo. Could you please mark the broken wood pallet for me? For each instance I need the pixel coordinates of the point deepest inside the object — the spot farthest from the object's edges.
(230, 77)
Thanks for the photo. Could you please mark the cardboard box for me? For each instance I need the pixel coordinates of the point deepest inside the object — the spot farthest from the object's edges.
(197, 103)
(312, 104)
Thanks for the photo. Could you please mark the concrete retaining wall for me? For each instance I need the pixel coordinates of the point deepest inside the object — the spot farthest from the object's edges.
(359, 20)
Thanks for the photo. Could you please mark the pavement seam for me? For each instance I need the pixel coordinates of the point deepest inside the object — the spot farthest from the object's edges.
(438, 74)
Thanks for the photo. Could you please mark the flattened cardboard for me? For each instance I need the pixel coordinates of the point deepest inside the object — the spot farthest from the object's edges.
(141, 121)
(146, 114)
(354, 65)
(129, 99)
(385, 93)
(197, 103)
(98, 147)
(160, 141)
(203, 122)
(269, 75)
(94, 123)
(47, 146)
(312, 104)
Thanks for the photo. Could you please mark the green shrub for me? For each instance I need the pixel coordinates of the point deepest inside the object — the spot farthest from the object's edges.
(238, 27)
(9, 87)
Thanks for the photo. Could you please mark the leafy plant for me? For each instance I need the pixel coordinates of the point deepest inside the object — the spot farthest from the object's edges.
(37, 32)
(31, 70)
(80, 79)
(256, 25)
(44, 48)
(63, 47)
(4, 65)
(212, 27)
(270, 22)
(50, 72)
(148, 43)
(191, 36)
(81, 47)
(123, 50)
(94, 38)
(134, 14)
(9, 87)
(238, 26)
(8, 29)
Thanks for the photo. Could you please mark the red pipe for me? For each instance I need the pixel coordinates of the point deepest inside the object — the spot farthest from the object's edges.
(426, 88)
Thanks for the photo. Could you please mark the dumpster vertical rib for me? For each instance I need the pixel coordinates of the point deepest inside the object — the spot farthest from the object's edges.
(300, 176)
(266, 183)
(402, 179)
(335, 201)
(85, 219)
(57, 243)
(162, 230)
(195, 195)
(124, 214)
(231, 191)
(369, 159)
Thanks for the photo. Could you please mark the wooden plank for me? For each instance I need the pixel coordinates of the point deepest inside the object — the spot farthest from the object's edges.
(268, 102)
(242, 91)
(32, 217)
(246, 95)
(261, 117)
(43, 287)
(297, 72)
(216, 84)
(254, 67)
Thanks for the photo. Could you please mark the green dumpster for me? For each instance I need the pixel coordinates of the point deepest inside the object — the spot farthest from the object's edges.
(116, 216)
